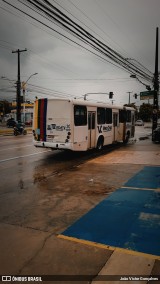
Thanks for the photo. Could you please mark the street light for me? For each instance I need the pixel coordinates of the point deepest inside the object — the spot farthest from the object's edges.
(31, 76)
(135, 77)
(24, 90)
(132, 59)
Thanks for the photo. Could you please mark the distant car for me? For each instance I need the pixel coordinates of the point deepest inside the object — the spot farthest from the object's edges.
(156, 134)
(139, 122)
(11, 122)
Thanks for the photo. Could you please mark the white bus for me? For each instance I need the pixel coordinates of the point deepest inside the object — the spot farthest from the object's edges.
(80, 125)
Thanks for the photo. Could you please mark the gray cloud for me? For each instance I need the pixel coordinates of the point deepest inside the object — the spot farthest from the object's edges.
(126, 25)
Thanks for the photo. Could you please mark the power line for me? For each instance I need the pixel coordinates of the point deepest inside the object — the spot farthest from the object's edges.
(92, 40)
(104, 59)
(63, 35)
(88, 34)
(92, 23)
(46, 9)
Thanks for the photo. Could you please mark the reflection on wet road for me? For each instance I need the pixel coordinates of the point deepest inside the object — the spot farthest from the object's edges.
(20, 160)
(38, 186)
(48, 190)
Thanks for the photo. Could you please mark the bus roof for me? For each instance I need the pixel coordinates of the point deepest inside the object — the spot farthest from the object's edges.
(91, 103)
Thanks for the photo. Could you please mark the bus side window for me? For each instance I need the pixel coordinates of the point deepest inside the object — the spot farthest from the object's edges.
(100, 115)
(128, 116)
(122, 116)
(108, 115)
(80, 115)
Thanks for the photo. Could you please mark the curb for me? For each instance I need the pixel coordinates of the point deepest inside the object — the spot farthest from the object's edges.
(144, 138)
(9, 132)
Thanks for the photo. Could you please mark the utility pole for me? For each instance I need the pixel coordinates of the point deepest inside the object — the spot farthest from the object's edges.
(156, 88)
(129, 100)
(19, 85)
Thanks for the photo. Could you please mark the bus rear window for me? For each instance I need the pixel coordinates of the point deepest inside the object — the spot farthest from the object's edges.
(80, 115)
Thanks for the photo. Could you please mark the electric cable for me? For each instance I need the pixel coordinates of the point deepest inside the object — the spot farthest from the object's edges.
(83, 35)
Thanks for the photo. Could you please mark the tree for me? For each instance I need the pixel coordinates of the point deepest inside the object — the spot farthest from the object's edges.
(5, 107)
(145, 112)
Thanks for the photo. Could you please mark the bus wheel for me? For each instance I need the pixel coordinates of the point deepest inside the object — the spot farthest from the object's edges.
(100, 143)
(127, 138)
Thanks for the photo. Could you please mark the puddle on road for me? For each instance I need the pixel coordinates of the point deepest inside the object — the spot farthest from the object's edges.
(38, 177)
(97, 188)
(21, 184)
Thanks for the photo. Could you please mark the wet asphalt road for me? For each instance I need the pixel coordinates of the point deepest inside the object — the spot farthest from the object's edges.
(47, 190)
(37, 185)
(26, 171)
(42, 192)
(22, 165)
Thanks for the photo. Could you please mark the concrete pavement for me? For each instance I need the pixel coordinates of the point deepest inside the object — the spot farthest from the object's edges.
(130, 263)
(29, 251)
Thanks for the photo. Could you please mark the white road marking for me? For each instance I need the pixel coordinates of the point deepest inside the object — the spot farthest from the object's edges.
(18, 157)
(16, 147)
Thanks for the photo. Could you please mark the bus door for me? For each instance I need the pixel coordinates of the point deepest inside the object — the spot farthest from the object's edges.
(115, 127)
(91, 129)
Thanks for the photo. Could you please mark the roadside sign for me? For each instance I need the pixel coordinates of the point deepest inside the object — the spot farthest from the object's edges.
(146, 95)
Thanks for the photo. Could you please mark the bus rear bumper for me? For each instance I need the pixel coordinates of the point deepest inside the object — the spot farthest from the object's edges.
(61, 146)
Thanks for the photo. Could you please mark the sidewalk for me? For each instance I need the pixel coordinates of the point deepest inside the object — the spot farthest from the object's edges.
(4, 131)
(130, 263)
(127, 222)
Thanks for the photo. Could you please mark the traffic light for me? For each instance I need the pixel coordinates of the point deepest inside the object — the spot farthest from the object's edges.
(110, 95)
(148, 88)
(135, 95)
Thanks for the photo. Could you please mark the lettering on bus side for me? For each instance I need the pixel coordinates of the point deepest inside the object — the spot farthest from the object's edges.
(66, 127)
(104, 128)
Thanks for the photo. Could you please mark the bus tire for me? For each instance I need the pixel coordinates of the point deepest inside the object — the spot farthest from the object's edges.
(127, 138)
(100, 143)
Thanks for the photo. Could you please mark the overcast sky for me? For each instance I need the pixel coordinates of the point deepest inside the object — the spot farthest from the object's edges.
(127, 26)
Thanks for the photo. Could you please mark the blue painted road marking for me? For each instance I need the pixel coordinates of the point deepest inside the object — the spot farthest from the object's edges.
(148, 177)
(128, 218)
